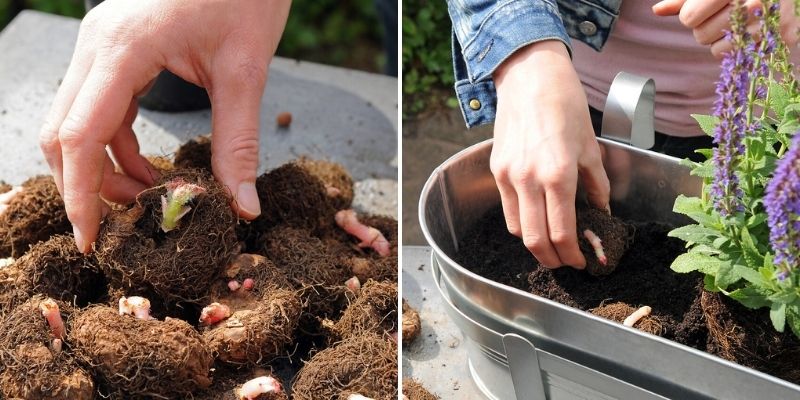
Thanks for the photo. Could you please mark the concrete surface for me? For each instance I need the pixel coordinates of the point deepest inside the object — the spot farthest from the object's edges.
(427, 142)
(342, 115)
(437, 358)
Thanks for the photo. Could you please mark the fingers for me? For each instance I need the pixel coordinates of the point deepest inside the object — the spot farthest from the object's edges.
(117, 187)
(508, 196)
(695, 12)
(94, 117)
(235, 104)
(668, 7)
(125, 148)
(595, 181)
(713, 29)
(533, 222)
(561, 220)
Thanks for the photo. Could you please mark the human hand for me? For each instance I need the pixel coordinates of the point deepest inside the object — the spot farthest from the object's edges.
(224, 46)
(709, 19)
(543, 143)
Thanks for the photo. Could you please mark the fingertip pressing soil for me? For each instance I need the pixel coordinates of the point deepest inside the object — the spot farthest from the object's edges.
(29, 368)
(337, 181)
(179, 265)
(374, 311)
(413, 390)
(54, 268)
(619, 311)
(615, 234)
(412, 325)
(33, 215)
(748, 338)
(195, 154)
(135, 358)
(366, 365)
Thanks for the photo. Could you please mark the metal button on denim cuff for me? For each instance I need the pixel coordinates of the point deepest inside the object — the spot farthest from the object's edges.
(587, 28)
(475, 104)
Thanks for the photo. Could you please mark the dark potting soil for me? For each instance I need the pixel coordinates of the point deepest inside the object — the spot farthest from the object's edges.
(642, 276)
(679, 304)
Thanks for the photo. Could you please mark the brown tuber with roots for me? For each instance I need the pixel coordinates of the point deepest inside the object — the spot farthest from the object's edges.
(374, 311)
(135, 357)
(603, 239)
(366, 365)
(54, 268)
(30, 214)
(251, 326)
(413, 390)
(337, 181)
(630, 316)
(412, 326)
(34, 364)
(195, 154)
(369, 236)
(176, 246)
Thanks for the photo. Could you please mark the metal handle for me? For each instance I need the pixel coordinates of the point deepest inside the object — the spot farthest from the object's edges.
(628, 114)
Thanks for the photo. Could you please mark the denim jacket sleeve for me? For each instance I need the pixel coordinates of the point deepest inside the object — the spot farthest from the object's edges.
(486, 32)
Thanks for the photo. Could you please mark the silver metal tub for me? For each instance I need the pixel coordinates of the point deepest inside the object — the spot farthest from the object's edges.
(522, 346)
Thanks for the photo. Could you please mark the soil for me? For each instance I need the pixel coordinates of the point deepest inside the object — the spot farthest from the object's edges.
(681, 309)
(32, 216)
(54, 268)
(195, 154)
(413, 390)
(338, 182)
(366, 365)
(412, 326)
(374, 311)
(135, 358)
(134, 251)
(30, 368)
(615, 234)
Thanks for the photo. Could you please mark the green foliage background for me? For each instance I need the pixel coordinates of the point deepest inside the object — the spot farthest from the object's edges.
(427, 63)
(345, 33)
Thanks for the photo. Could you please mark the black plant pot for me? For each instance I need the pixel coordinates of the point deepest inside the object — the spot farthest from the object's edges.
(169, 92)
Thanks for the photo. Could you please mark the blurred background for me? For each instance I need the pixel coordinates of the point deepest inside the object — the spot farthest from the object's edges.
(433, 128)
(345, 33)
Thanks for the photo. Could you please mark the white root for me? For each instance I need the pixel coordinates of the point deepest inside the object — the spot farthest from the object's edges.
(258, 386)
(52, 314)
(137, 306)
(597, 245)
(632, 319)
(356, 396)
(5, 262)
(353, 284)
(56, 345)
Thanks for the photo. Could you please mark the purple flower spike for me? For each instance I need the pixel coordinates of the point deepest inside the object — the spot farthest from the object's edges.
(782, 202)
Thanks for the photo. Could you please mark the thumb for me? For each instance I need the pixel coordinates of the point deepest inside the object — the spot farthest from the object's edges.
(235, 104)
(666, 8)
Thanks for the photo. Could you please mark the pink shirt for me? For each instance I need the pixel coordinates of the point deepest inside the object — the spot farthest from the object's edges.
(645, 44)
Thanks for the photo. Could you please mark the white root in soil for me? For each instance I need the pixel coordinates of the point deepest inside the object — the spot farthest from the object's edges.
(137, 306)
(632, 319)
(597, 245)
(258, 386)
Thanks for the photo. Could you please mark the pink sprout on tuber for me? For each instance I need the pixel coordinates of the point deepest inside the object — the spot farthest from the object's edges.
(214, 313)
(173, 205)
(258, 386)
(52, 314)
(248, 284)
(369, 236)
(137, 306)
(7, 197)
(353, 284)
(332, 191)
(632, 319)
(56, 345)
(597, 245)
(234, 285)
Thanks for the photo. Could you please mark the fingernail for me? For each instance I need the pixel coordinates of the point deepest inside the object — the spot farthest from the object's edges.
(80, 241)
(247, 199)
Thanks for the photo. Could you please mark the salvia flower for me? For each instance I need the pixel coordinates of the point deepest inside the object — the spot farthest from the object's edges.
(782, 203)
(732, 91)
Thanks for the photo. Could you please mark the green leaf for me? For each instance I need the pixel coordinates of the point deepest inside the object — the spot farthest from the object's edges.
(686, 205)
(707, 123)
(785, 297)
(726, 275)
(749, 297)
(708, 283)
(779, 98)
(689, 262)
(751, 276)
(750, 252)
(703, 170)
(756, 220)
(777, 313)
(793, 317)
(719, 242)
(694, 233)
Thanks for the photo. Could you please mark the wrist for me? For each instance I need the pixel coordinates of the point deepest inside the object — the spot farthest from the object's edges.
(535, 67)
